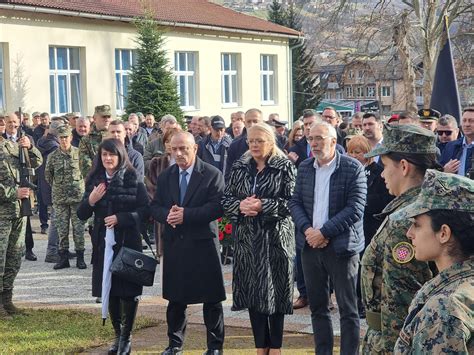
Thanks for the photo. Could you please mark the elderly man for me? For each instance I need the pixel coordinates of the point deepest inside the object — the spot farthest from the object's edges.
(83, 127)
(116, 130)
(213, 148)
(328, 206)
(194, 128)
(90, 143)
(331, 116)
(447, 131)
(12, 227)
(238, 116)
(457, 155)
(237, 129)
(239, 146)
(188, 208)
(150, 126)
(204, 126)
(139, 134)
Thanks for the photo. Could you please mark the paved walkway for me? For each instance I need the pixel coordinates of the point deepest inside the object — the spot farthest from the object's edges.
(38, 285)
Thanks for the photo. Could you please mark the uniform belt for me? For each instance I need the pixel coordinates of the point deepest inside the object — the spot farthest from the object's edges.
(374, 320)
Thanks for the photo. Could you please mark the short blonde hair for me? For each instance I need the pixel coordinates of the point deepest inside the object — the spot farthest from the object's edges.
(359, 142)
(269, 132)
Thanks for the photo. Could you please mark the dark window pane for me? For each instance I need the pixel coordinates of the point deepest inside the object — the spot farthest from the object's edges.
(117, 59)
(62, 93)
(52, 100)
(74, 58)
(126, 65)
(61, 54)
(51, 58)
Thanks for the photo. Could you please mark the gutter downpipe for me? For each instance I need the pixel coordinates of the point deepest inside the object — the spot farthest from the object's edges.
(36, 9)
(299, 43)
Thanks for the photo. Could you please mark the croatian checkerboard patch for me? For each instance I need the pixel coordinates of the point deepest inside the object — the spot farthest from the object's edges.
(403, 252)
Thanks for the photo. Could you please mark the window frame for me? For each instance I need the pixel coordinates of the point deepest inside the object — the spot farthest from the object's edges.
(120, 99)
(233, 74)
(187, 73)
(56, 73)
(268, 79)
(388, 91)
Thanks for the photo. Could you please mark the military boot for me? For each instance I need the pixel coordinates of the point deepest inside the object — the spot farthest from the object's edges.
(128, 307)
(80, 264)
(4, 315)
(116, 319)
(63, 260)
(8, 304)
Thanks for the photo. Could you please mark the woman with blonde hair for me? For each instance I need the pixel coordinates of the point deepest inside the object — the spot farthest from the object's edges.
(295, 135)
(256, 201)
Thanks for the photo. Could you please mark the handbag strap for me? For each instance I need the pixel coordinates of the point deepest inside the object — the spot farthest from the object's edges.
(147, 241)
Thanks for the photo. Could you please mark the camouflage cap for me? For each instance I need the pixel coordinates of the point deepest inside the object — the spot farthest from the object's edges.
(73, 114)
(352, 132)
(103, 110)
(36, 114)
(63, 131)
(440, 191)
(405, 139)
(54, 125)
(428, 114)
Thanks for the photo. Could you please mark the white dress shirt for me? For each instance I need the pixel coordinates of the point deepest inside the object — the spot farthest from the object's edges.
(321, 192)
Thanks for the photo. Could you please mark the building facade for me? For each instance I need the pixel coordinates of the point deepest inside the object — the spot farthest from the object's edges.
(75, 57)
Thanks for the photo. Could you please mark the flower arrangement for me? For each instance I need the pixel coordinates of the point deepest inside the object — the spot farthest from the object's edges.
(225, 232)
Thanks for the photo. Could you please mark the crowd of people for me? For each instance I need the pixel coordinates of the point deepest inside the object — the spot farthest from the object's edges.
(374, 212)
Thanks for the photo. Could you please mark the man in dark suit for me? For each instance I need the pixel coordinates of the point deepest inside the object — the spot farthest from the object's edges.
(189, 205)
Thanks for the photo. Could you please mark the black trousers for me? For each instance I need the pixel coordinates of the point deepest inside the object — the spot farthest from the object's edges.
(267, 329)
(29, 243)
(213, 319)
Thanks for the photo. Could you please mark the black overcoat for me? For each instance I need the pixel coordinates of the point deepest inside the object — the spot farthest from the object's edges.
(128, 200)
(191, 265)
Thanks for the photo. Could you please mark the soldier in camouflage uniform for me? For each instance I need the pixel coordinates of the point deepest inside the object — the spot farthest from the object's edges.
(89, 144)
(441, 317)
(12, 226)
(63, 174)
(390, 276)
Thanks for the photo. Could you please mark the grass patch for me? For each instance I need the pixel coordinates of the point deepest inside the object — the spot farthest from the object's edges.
(65, 331)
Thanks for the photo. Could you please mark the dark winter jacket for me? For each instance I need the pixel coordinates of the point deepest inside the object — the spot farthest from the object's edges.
(205, 152)
(46, 145)
(452, 150)
(137, 161)
(128, 200)
(347, 196)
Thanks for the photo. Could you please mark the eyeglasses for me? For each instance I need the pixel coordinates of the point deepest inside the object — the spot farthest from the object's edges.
(447, 133)
(317, 138)
(255, 141)
(329, 117)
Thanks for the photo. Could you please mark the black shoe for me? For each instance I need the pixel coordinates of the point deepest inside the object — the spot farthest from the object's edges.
(63, 261)
(44, 230)
(71, 255)
(80, 264)
(128, 308)
(172, 351)
(213, 352)
(52, 258)
(29, 255)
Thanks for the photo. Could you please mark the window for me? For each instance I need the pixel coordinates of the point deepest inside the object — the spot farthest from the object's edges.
(370, 91)
(64, 80)
(351, 74)
(229, 79)
(185, 72)
(385, 91)
(124, 60)
(360, 74)
(360, 91)
(267, 78)
(339, 95)
(2, 90)
(349, 92)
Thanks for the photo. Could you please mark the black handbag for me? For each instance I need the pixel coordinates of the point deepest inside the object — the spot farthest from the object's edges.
(134, 266)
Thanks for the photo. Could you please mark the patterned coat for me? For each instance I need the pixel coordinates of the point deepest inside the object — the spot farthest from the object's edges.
(10, 177)
(441, 318)
(388, 285)
(63, 174)
(264, 246)
(88, 147)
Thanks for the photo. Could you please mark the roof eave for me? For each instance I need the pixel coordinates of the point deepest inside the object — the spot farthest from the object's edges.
(52, 11)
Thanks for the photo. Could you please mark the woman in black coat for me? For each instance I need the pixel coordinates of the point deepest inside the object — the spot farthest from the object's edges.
(118, 201)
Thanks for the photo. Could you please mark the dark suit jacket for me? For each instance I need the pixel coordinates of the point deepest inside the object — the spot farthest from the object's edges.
(191, 269)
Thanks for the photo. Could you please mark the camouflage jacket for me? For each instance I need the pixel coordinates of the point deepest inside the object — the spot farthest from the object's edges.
(88, 147)
(441, 318)
(10, 176)
(389, 285)
(63, 174)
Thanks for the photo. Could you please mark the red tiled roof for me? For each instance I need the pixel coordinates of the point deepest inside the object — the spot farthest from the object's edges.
(197, 12)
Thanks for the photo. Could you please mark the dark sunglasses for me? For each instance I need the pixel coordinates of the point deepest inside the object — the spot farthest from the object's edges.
(447, 133)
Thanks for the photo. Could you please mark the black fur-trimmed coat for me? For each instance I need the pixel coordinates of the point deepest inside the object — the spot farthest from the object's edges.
(128, 200)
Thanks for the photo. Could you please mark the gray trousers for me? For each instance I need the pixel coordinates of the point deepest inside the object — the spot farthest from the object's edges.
(318, 266)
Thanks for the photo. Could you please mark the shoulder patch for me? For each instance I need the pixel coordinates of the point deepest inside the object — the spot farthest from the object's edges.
(403, 252)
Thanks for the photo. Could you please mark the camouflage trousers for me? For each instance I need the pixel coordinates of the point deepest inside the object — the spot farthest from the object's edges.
(372, 343)
(12, 248)
(64, 215)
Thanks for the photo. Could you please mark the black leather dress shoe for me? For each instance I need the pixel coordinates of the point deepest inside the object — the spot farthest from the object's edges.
(29, 255)
(213, 352)
(172, 351)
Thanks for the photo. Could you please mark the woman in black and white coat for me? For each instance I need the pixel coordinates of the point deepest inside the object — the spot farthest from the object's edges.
(255, 199)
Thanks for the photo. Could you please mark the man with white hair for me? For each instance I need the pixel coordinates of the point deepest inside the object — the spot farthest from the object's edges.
(139, 134)
(327, 207)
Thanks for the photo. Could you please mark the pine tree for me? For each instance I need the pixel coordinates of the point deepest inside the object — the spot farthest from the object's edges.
(307, 93)
(153, 86)
(276, 13)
